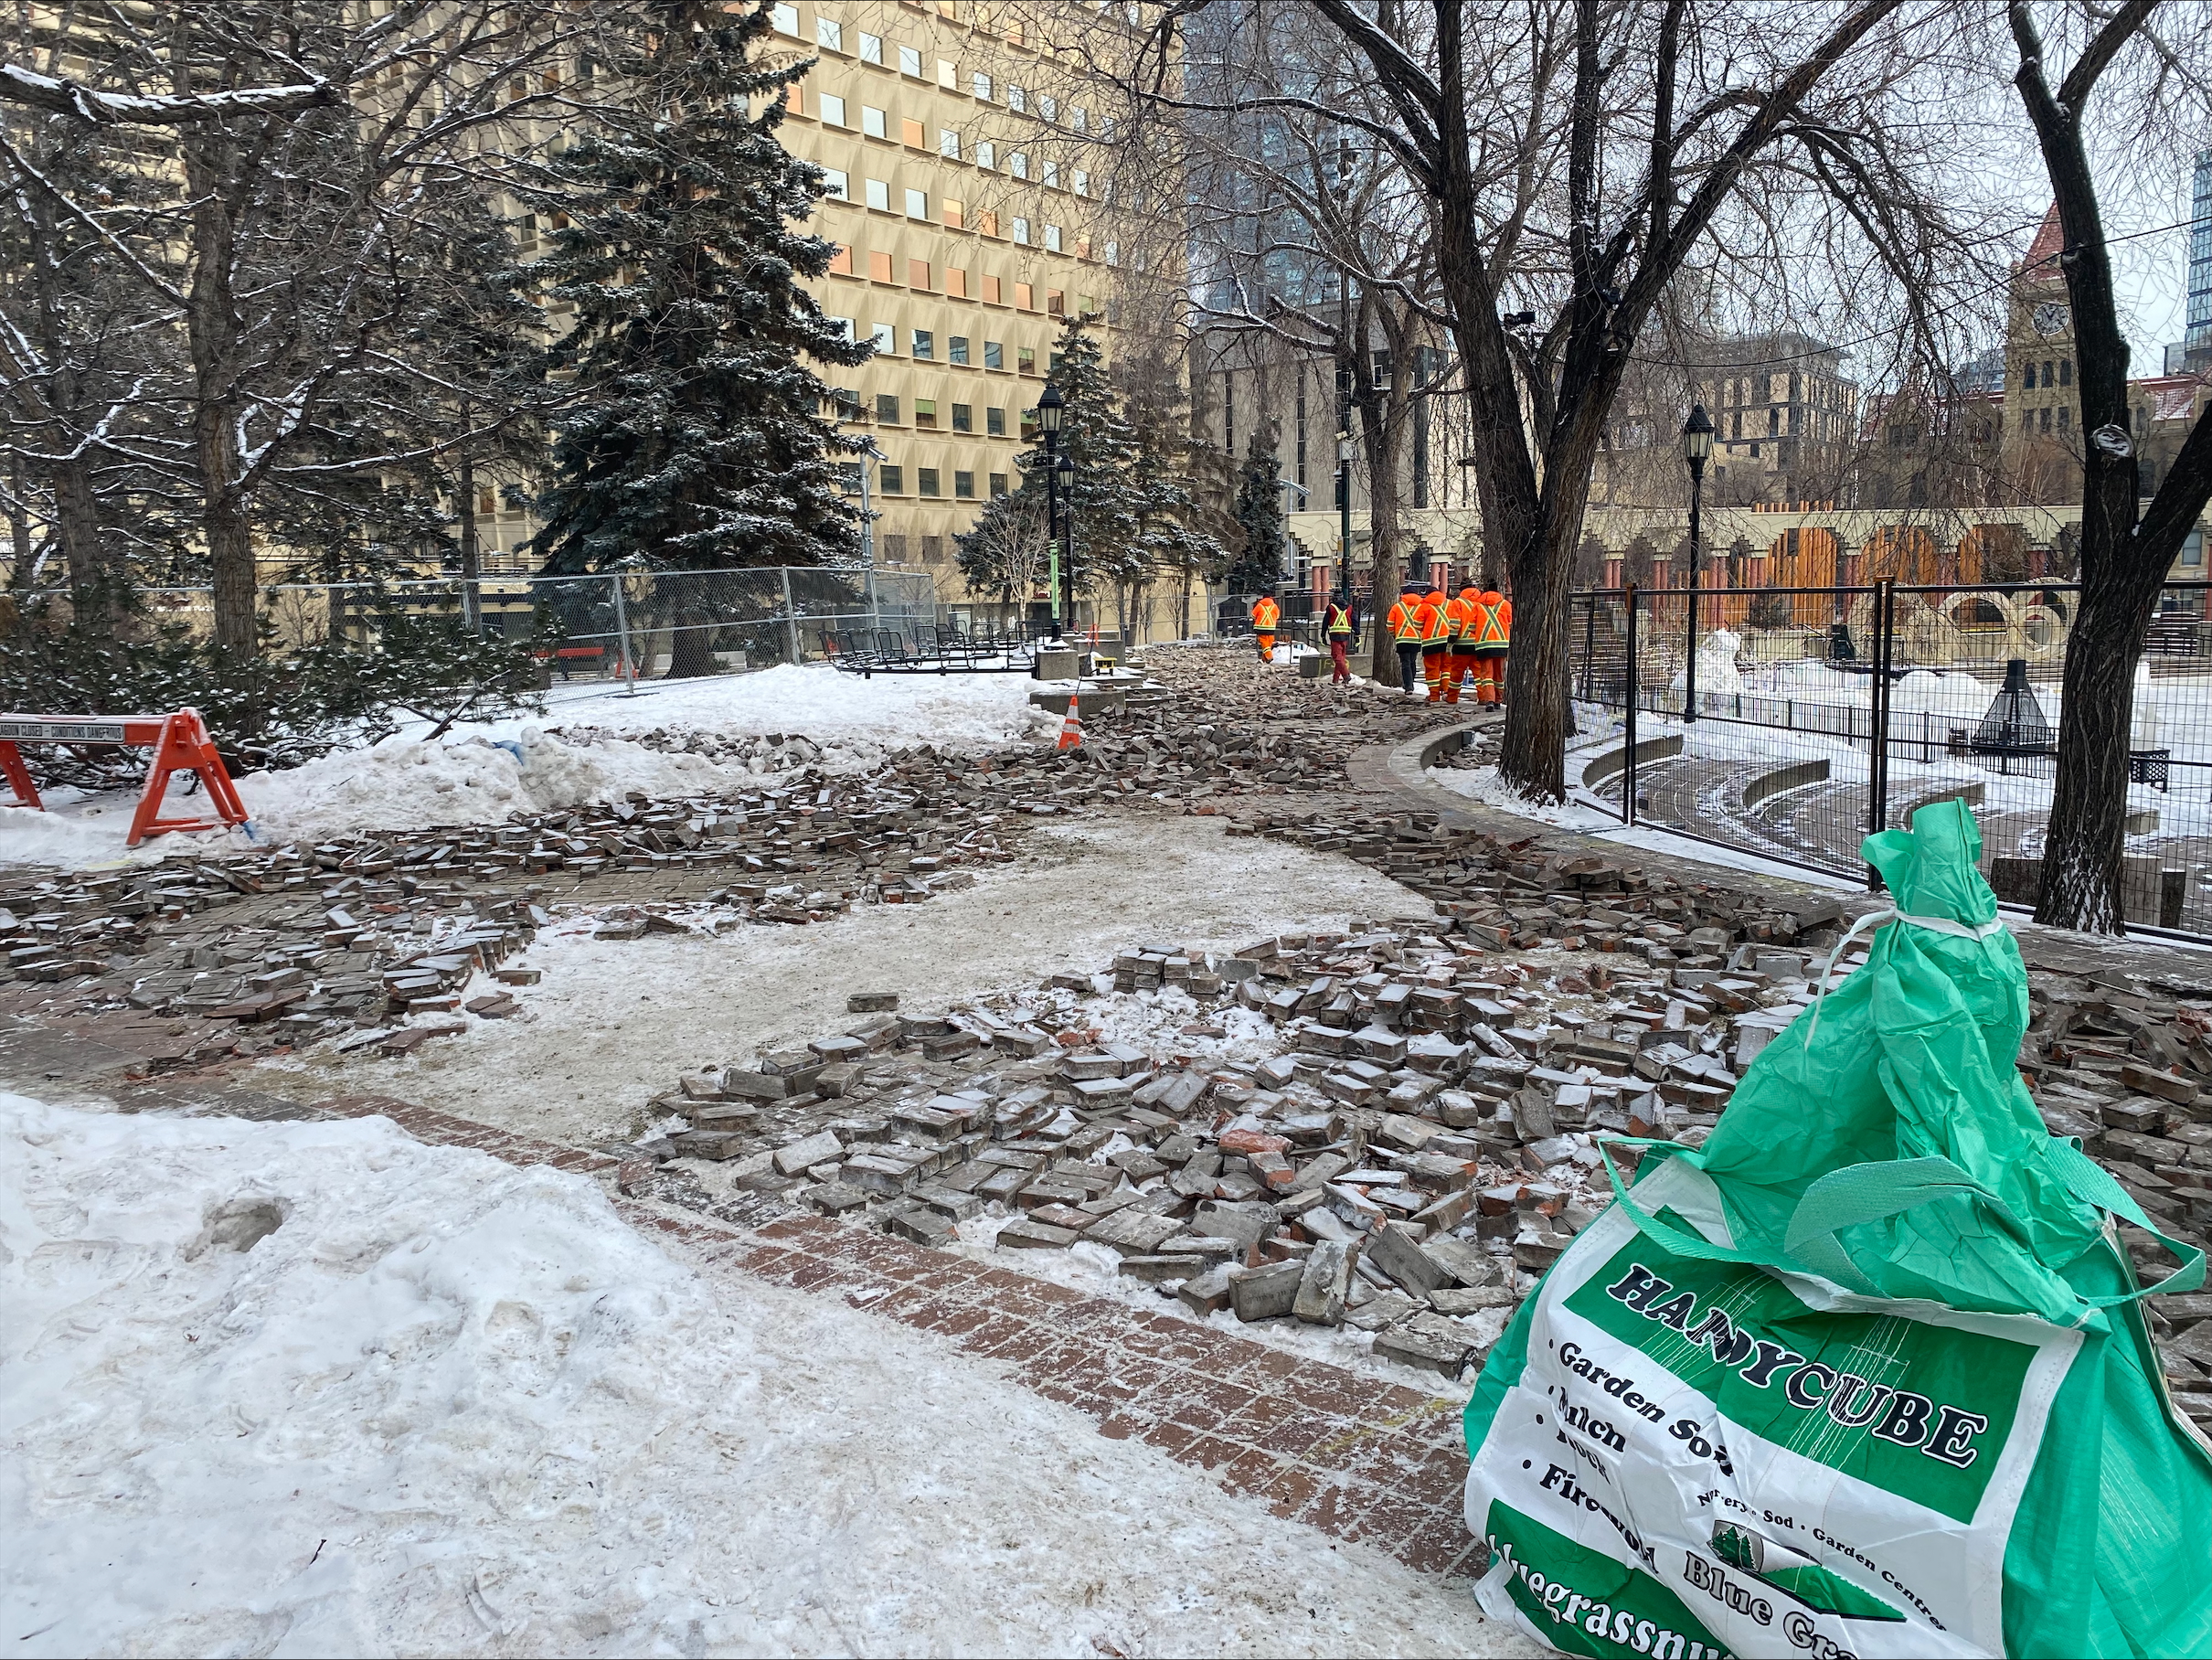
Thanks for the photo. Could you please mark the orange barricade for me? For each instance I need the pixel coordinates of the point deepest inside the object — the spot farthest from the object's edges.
(180, 744)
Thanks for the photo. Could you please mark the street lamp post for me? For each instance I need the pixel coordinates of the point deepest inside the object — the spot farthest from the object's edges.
(1696, 450)
(1064, 470)
(1051, 408)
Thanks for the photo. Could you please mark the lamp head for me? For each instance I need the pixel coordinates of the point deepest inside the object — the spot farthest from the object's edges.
(1051, 408)
(1697, 438)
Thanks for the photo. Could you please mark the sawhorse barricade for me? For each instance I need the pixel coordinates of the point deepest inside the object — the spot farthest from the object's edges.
(180, 744)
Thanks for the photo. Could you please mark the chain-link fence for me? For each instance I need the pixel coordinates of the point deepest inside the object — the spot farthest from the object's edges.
(634, 623)
(1764, 738)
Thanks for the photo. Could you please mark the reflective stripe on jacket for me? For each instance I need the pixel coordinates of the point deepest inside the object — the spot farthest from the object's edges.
(1496, 624)
(1266, 613)
(1460, 615)
(1405, 624)
(1434, 629)
(1340, 620)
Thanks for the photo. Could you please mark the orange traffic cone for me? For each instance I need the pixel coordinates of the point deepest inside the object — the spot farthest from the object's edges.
(1072, 728)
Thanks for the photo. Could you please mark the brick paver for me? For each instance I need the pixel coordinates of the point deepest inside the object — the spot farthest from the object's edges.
(1362, 1460)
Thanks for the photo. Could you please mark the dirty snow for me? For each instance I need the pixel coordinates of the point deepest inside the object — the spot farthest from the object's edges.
(614, 1021)
(479, 774)
(447, 1406)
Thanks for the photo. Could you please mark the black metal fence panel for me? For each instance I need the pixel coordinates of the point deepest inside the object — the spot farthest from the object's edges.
(1803, 719)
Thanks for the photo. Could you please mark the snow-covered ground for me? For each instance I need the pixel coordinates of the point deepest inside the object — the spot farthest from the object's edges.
(480, 773)
(320, 1389)
(568, 1067)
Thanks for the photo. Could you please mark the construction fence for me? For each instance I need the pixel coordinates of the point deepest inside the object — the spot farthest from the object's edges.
(633, 624)
(1805, 718)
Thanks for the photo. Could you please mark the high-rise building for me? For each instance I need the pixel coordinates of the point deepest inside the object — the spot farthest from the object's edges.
(2197, 342)
(970, 205)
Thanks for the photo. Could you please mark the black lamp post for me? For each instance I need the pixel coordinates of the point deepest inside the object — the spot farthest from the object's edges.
(1063, 469)
(1051, 408)
(1696, 450)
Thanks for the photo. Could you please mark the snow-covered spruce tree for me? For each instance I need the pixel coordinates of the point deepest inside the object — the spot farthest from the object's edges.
(698, 439)
(1258, 509)
(1100, 515)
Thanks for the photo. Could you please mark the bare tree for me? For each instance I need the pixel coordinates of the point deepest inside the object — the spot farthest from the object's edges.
(1575, 157)
(286, 267)
(2131, 77)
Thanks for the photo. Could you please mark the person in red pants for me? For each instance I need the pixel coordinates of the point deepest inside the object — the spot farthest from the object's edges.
(1336, 625)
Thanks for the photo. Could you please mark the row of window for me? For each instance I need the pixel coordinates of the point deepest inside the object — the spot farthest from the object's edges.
(881, 266)
(846, 405)
(2065, 375)
(830, 109)
(921, 346)
(928, 482)
(831, 36)
(879, 194)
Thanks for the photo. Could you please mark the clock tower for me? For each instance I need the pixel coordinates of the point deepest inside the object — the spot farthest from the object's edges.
(2042, 448)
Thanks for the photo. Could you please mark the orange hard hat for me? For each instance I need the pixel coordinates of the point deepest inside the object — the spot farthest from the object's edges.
(1490, 596)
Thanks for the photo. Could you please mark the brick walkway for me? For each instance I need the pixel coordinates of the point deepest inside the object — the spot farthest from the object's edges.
(1362, 1461)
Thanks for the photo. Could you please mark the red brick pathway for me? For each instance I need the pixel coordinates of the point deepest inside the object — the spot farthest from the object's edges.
(1361, 1459)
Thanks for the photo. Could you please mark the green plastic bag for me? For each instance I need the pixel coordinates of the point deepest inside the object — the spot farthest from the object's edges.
(1868, 1373)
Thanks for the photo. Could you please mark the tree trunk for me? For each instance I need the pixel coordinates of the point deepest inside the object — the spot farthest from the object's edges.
(471, 567)
(97, 594)
(691, 647)
(231, 551)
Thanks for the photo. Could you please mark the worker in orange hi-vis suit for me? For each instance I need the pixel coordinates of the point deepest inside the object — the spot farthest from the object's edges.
(1493, 640)
(1404, 623)
(1436, 642)
(1266, 613)
(1459, 611)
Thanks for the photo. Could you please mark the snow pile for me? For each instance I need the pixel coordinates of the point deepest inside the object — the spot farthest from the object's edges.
(1484, 784)
(317, 1389)
(856, 721)
(1718, 675)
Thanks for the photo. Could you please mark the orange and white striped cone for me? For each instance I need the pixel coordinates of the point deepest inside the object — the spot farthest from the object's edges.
(1072, 728)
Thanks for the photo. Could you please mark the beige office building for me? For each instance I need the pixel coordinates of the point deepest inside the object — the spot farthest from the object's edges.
(969, 204)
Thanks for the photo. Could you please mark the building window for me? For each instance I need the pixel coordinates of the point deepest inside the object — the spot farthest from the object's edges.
(835, 186)
(1025, 297)
(995, 355)
(874, 123)
(2066, 371)
(986, 223)
(1018, 164)
(847, 404)
(2192, 550)
(832, 108)
(1228, 412)
(1082, 182)
(843, 325)
(879, 267)
(2047, 380)
(879, 195)
(995, 422)
(784, 19)
(924, 350)
(2045, 423)
(999, 484)
(947, 142)
(1052, 239)
(956, 349)
(1773, 422)
(1300, 427)
(1024, 359)
(1021, 234)
(913, 134)
(2066, 418)
(1079, 119)
(892, 481)
(979, 83)
(894, 548)
(829, 33)
(841, 263)
(1052, 175)
(991, 297)
(1049, 107)
(1055, 303)
(956, 215)
(2028, 379)
(1113, 251)
(871, 49)
(987, 154)
(963, 487)
(1017, 100)
(925, 482)
(918, 204)
(925, 413)
(909, 61)
(887, 408)
(956, 284)
(932, 548)
(885, 339)
(963, 418)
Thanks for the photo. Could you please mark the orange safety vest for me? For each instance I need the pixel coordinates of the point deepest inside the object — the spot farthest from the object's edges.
(1404, 621)
(1498, 621)
(1337, 619)
(1459, 613)
(1434, 627)
(1266, 613)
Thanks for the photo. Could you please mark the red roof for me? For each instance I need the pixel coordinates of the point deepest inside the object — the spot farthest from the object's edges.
(2043, 252)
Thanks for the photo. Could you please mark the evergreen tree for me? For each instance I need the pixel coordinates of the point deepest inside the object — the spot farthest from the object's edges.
(1258, 509)
(1180, 538)
(698, 439)
(1101, 513)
